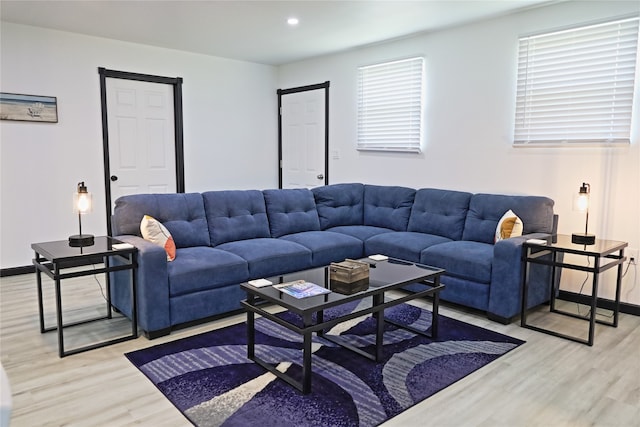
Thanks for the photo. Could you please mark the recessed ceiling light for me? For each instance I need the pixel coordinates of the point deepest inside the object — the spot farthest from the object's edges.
(293, 21)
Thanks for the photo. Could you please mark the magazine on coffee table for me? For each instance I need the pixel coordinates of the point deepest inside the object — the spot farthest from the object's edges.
(302, 289)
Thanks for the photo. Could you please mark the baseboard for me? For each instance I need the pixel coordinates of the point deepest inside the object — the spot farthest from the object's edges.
(16, 271)
(602, 302)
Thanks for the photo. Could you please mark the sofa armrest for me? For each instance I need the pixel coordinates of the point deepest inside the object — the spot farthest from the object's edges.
(505, 295)
(153, 286)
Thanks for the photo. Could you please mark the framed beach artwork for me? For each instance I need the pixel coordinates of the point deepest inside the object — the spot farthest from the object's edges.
(30, 108)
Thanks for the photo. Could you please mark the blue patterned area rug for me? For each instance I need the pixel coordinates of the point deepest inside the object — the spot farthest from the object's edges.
(210, 380)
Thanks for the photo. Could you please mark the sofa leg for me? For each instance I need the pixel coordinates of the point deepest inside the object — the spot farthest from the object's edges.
(151, 335)
(500, 319)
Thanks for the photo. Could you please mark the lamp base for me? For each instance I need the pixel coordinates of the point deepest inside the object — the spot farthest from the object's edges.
(79, 240)
(583, 238)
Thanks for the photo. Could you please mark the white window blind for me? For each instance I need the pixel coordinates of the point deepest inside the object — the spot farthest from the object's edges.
(390, 99)
(577, 85)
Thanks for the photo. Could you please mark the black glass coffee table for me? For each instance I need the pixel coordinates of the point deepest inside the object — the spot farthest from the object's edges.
(384, 276)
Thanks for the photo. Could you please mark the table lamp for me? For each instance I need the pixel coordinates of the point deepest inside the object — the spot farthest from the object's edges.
(82, 205)
(581, 204)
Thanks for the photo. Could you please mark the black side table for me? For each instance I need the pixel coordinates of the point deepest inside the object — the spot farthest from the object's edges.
(52, 258)
(606, 253)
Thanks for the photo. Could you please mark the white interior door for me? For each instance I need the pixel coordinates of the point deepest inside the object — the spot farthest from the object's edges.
(140, 119)
(303, 139)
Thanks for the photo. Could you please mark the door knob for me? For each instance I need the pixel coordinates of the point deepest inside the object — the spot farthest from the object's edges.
(114, 178)
(320, 176)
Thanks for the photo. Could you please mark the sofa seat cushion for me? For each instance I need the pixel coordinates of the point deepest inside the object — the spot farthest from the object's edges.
(402, 244)
(339, 204)
(361, 232)
(464, 259)
(270, 257)
(200, 268)
(327, 246)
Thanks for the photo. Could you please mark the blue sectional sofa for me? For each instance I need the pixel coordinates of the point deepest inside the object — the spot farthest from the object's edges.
(224, 238)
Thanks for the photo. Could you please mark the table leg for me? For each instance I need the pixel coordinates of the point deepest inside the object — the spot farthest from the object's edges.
(525, 286)
(61, 352)
(306, 357)
(552, 297)
(134, 294)
(105, 260)
(251, 331)
(40, 303)
(616, 309)
(378, 299)
(434, 311)
(594, 303)
(306, 364)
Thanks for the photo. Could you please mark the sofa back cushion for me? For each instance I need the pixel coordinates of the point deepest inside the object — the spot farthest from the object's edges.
(439, 212)
(235, 215)
(388, 206)
(181, 213)
(291, 211)
(485, 210)
(339, 204)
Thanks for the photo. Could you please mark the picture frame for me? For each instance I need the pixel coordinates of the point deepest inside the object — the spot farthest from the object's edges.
(28, 108)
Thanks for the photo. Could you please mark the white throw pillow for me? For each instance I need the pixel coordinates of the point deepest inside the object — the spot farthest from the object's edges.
(510, 225)
(153, 231)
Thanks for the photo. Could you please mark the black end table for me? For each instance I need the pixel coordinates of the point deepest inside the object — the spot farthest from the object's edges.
(606, 254)
(53, 258)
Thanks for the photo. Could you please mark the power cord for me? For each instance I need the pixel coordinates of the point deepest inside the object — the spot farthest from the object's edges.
(581, 288)
(632, 261)
(95, 277)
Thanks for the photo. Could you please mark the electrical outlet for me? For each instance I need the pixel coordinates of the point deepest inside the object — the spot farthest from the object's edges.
(631, 254)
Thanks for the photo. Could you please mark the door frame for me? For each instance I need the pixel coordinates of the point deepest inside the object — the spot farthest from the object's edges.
(176, 83)
(282, 92)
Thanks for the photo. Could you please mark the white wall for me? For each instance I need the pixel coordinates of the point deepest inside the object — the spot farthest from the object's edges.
(471, 73)
(230, 128)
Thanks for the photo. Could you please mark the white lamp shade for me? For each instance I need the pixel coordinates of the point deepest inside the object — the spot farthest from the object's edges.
(581, 202)
(82, 203)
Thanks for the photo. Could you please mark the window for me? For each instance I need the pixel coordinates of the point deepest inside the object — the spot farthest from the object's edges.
(390, 99)
(576, 85)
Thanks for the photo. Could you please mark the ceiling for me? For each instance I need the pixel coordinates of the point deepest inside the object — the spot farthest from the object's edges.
(255, 31)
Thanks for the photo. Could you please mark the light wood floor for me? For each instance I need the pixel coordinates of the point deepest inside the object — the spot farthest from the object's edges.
(546, 382)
